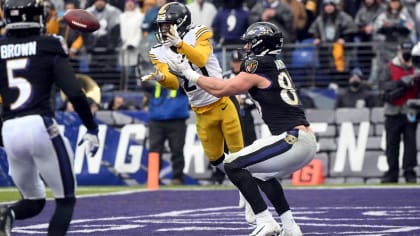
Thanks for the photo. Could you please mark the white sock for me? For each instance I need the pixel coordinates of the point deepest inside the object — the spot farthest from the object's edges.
(263, 217)
(287, 219)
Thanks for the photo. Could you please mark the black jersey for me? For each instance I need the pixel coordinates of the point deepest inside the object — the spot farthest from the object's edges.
(29, 67)
(279, 104)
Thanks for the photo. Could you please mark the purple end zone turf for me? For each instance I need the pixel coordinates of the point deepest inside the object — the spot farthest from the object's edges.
(361, 211)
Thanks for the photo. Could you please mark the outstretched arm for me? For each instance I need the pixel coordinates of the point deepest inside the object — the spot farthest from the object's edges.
(219, 87)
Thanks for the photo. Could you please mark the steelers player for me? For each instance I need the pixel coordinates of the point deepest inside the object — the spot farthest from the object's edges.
(37, 152)
(292, 144)
(217, 119)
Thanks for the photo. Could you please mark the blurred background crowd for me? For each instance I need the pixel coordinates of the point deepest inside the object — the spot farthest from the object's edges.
(327, 42)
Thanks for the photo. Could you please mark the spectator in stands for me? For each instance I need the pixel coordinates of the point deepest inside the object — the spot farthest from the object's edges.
(202, 12)
(106, 38)
(351, 6)
(392, 27)
(300, 17)
(73, 38)
(117, 103)
(168, 112)
(275, 12)
(130, 30)
(67, 106)
(230, 23)
(149, 27)
(331, 30)
(357, 94)
(365, 19)
(52, 18)
(400, 84)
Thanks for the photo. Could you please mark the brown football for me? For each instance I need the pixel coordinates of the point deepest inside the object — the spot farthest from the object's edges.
(81, 20)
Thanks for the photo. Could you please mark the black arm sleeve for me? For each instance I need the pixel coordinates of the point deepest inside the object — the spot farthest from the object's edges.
(67, 82)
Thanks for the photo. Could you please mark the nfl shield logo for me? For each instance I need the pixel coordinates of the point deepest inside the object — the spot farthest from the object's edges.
(251, 66)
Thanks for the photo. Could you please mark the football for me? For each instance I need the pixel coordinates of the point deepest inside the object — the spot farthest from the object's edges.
(81, 20)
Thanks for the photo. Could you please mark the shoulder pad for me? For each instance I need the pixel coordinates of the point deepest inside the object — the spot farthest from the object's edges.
(201, 30)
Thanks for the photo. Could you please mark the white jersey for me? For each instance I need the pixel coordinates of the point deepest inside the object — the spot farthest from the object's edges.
(196, 95)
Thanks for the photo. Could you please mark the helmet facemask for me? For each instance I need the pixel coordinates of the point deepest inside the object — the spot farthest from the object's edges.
(175, 14)
(164, 29)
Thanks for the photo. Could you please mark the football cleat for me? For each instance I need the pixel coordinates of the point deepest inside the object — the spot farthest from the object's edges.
(269, 228)
(6, 221)
(242, 200)
(291, 230)
(249, 215)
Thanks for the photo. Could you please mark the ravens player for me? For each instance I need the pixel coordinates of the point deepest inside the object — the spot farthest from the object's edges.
(292, 144)
(30, 64)
(217, 119)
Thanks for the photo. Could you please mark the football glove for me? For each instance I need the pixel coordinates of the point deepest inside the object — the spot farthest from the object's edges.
(173, 37)
(183, 67)
(152, 76)
(91, 142)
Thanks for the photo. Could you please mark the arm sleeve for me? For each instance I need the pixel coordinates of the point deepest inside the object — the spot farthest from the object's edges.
(199, 54)
(169, 80)
(66, 81)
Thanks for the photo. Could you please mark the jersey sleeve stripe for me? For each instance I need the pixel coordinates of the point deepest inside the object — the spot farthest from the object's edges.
(200, 32)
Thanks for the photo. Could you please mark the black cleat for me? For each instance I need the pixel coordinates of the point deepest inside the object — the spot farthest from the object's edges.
(410, 177)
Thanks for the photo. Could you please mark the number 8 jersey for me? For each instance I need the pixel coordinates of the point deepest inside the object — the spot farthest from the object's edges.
(281, 95)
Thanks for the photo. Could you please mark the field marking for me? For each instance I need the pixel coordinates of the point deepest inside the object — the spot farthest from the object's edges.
(231, 217)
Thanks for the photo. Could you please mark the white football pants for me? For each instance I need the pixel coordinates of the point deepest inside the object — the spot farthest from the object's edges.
(37, 152)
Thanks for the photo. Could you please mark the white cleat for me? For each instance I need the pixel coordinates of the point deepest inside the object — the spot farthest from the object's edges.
(242, 201)
(291, 230)
(270, 228)
(249, 215)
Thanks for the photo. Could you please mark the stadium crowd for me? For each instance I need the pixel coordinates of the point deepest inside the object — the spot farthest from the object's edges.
(324, 39)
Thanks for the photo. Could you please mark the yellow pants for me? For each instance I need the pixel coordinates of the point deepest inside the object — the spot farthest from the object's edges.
(217, 124)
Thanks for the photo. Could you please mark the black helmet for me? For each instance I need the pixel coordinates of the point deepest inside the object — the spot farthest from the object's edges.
(24, 14)
(174, 13)
(264, 38)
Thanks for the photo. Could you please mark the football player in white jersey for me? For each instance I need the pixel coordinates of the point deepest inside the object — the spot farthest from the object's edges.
(217, 119)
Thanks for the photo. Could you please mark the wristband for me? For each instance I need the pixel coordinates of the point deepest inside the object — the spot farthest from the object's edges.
(192, 75)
